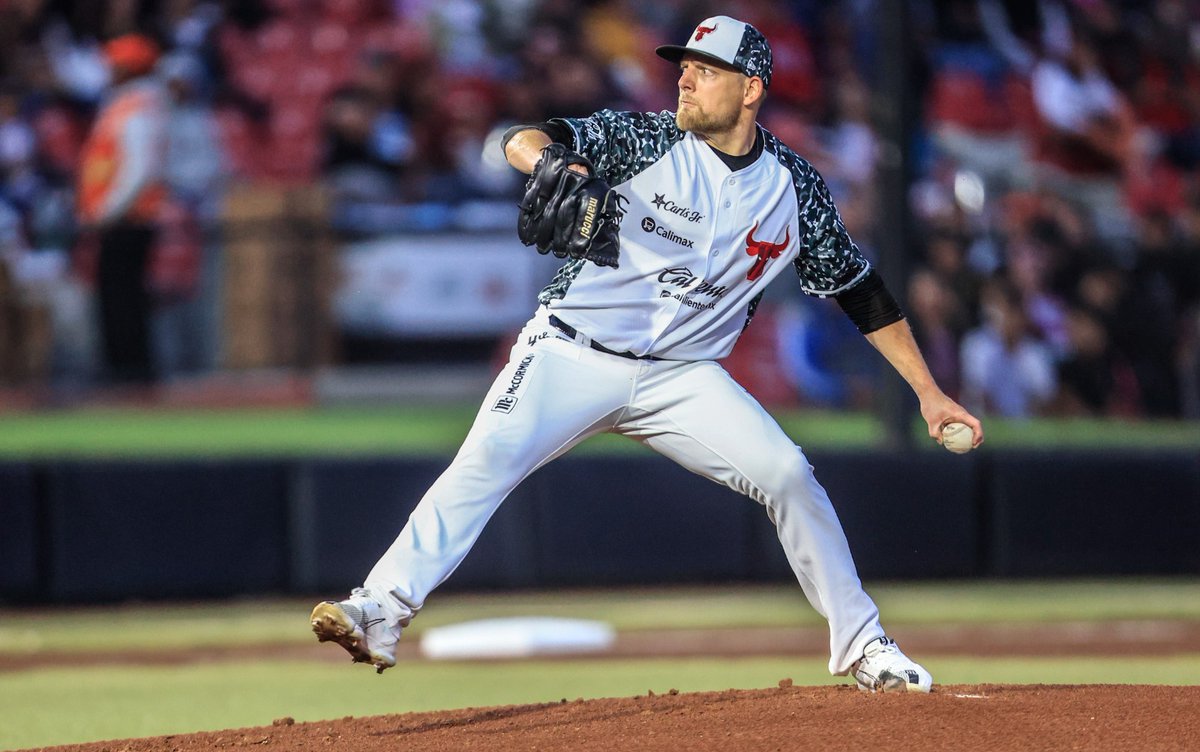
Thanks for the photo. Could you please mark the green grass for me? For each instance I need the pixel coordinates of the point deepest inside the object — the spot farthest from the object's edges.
(212, 697)
(110, 703)
(1090, 433)
(94, 630)
(1171, 670)
(1040, 601)
(118, 701)
(173, 433)
(439, 429)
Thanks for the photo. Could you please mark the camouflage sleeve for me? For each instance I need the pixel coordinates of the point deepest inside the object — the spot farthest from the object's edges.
(829, 262)
(622, 144)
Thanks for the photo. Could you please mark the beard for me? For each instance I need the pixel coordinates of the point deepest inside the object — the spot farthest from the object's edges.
(700, 121)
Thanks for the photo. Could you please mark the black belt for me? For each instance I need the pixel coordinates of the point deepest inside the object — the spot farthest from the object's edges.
(573, 333)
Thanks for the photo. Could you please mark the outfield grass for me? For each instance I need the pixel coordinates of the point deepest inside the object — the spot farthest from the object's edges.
(60, 704)
(63, 705)
(147, 626)
(439, 429)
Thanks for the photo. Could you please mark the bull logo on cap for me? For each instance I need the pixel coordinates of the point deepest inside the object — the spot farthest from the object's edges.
(702, 30)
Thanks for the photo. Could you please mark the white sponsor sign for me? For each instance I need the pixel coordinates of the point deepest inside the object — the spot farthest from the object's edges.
(437, 285)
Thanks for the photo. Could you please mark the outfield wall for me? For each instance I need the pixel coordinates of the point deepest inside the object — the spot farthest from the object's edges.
(102, 531)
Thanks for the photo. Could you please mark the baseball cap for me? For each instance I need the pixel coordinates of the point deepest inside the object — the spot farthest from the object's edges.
(729, 41)
(134, 53)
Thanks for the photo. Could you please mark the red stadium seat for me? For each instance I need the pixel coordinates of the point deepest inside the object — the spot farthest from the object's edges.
(756, 365)
(352, 12)
(241, 144)
(312, 84)
(329, 39)
(295, 140)
(60, 136)
(1159, 187)
(964, 98)
(237, 47)
(406, 40)
(282, 39)
(1018, 93)
(259, 79)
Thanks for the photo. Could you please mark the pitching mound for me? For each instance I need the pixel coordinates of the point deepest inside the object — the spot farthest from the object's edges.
(987, 717)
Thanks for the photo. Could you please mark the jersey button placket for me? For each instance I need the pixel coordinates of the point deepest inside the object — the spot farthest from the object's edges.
(726, 203)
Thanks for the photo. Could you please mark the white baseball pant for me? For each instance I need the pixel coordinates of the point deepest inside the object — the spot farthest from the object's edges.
(552, 394)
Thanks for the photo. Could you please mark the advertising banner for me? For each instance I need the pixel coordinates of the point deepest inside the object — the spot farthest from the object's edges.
(438, 285)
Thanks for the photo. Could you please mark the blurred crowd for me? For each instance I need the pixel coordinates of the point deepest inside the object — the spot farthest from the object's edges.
(1055, 267)
(1060, 207)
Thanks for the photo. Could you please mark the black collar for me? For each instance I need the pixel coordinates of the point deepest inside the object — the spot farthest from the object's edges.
(739, 163)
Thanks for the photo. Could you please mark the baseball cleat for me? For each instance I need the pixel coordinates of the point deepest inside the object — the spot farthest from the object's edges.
(883, 668)
(359, 626)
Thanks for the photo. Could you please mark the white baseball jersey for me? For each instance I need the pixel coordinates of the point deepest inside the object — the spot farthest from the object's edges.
(699, 243)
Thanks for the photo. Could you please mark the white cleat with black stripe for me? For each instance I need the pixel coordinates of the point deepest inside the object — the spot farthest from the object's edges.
(883, 668)
(358, 624)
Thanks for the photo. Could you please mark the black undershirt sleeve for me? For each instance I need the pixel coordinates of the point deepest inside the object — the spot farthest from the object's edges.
(559, 133)
(869, 304)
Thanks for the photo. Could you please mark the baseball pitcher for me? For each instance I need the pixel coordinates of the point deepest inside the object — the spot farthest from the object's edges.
(670, 225)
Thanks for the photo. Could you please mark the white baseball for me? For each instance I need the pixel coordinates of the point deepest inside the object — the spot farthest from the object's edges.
(958, 437)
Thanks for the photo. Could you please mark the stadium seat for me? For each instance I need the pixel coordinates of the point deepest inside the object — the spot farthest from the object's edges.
(756, 365)
(60, 136)
(965, 99)
(329, 40)
(349, 12)
(282, 39)
(238, 140)
(258, 79)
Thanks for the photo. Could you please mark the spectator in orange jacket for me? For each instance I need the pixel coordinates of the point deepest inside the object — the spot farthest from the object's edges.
(121, 192)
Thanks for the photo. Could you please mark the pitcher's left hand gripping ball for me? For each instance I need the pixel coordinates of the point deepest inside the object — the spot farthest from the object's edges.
(569, 213)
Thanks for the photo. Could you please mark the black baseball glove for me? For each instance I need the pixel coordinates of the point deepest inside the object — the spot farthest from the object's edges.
(568, 213)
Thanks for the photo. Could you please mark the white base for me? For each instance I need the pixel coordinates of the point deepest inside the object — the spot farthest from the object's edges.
(518, 637)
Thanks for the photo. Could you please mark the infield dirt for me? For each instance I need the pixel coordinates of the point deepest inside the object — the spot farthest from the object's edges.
(995, 718)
